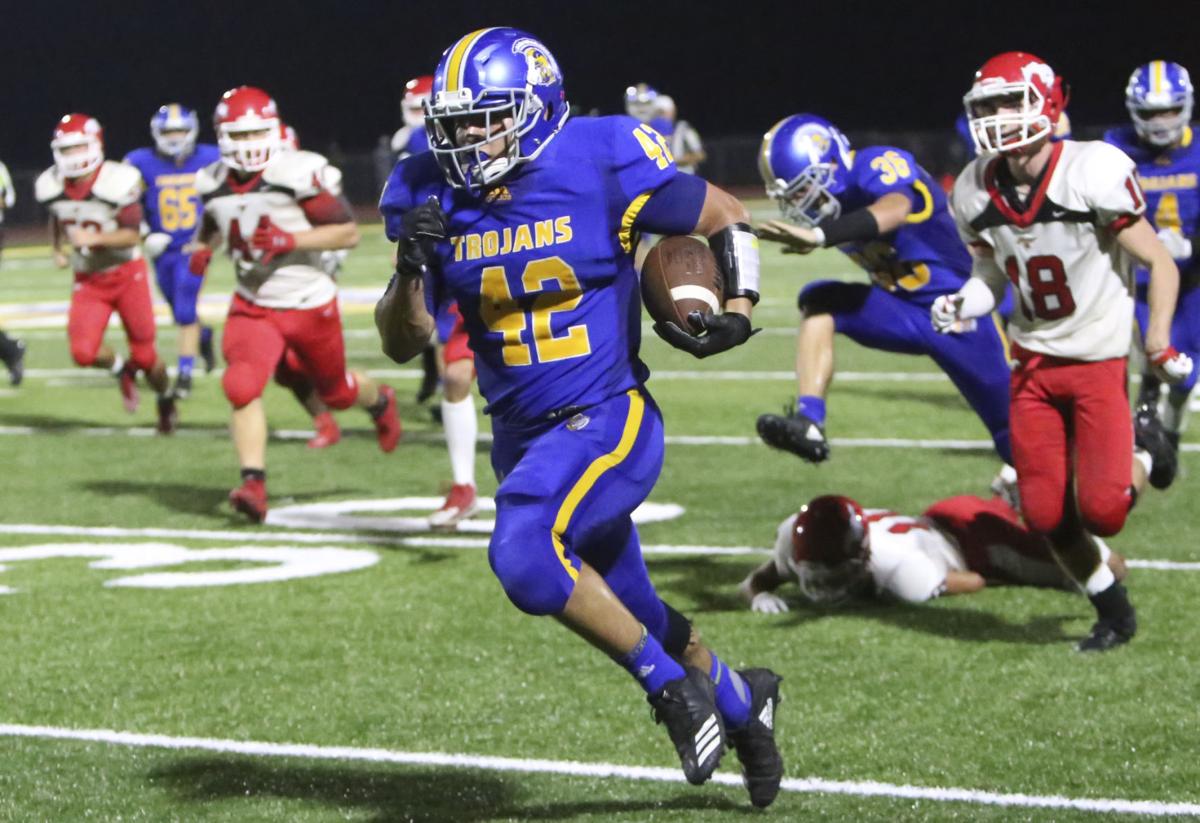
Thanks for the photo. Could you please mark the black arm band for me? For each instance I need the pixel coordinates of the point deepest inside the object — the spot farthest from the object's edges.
(857, 225)
(736, 250)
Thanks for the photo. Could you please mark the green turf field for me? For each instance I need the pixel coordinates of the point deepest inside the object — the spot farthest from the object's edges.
(412, 648)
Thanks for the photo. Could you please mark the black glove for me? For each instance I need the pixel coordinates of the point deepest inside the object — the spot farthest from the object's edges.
(721, 333)
(422, 228)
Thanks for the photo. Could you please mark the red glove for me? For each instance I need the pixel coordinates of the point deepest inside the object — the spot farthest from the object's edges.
(198, 262)
(271, 240)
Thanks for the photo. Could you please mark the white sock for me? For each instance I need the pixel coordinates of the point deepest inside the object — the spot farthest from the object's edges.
(462, 430)
(118, 364)
(1142, 456)
(1100, 579)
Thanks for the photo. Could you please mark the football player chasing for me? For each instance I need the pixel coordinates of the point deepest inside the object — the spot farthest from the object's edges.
(1159, 98)
(95, 211)
(172, 210)
(277, 212)
(889, 216)
(834, 550)
(1060, 220)
(528, 220)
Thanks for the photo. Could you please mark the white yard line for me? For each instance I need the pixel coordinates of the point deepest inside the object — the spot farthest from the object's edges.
(429, 541)
(807, 785)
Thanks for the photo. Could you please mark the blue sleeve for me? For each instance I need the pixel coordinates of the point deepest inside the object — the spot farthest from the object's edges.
(675, 206)
(394, 201)
(882, 170)
(641, 158)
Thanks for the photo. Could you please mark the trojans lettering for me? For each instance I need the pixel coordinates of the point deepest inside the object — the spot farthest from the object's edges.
(513, 239)
(1167, 182)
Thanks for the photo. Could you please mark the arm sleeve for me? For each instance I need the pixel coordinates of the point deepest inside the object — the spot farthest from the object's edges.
(394, 201)
(325, 208)
(1111, 188)
(673, 208)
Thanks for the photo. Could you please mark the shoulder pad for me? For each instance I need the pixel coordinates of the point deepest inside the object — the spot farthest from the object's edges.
(49, 186)
(118, 183)
(295, 170)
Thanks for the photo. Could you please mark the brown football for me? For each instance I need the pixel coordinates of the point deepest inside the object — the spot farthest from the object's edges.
(680, 275)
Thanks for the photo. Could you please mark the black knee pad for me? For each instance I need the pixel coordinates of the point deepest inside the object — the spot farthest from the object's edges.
(679, 632)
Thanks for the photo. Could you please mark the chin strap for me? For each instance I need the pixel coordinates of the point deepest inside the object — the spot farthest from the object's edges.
(736, 250)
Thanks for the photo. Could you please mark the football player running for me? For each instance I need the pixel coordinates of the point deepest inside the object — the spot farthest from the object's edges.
(833, 549)
(95, 211)
(1060, 221)
(172, 210)
(888, 215)
(277, 212)
(1159, 98)
(529, 219)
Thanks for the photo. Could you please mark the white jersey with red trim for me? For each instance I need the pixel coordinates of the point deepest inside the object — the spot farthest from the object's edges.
(116, 186)
(288, 281)
(1073, 280)
(909, 555)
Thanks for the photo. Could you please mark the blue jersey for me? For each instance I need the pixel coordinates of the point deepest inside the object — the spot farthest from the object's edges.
(170, 203)
(1170, 179)
(541, 266)
(922, 259)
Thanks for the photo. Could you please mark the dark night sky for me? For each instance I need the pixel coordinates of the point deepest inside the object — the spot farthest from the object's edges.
(733, 68)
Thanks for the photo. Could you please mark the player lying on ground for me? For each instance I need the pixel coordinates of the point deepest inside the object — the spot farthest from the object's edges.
(95, 211)
(888, 215)
(1060, 221)
(527, 219)
(833, 550)
(277, 212)
(1159, 98)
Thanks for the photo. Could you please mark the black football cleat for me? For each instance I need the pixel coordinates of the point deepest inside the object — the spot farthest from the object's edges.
(13, 356)
(168, 415)
(183, 387)
(207, 354)
(688, 708)
(795, 433)
(1108, 633)
(1150, 434)
(762, 765)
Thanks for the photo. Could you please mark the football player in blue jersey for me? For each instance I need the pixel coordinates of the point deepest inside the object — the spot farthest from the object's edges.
(529, 219)
(172, 209)
(1160, 140)
(888, 215)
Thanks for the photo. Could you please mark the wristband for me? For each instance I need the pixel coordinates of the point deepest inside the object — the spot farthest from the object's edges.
(736, 250)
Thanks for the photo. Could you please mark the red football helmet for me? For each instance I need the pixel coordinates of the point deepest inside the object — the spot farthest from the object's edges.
(77, 130)
(416, 92)
(288, 139)
(247, 125)
(1016, 100)
(831, 544)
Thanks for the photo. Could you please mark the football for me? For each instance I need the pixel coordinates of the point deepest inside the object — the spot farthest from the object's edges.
(680, 275)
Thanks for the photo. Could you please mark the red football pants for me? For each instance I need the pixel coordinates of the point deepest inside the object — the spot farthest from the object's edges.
(1071, 422)
(255, 340)
(124, 289)
(457, 345)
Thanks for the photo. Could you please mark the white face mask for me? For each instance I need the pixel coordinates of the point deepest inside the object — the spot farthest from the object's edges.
(249, 154)
(77, 163)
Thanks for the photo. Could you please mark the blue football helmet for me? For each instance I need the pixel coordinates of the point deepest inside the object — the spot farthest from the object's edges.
(1156, 90)
(804, 161)
(640, 102)
(174, 117)
(499, 82)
